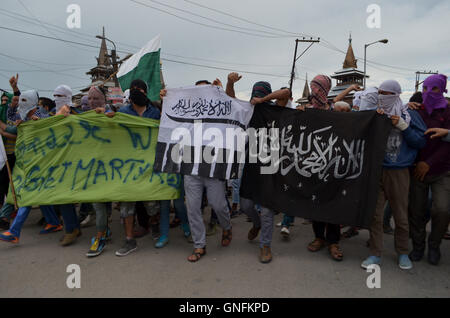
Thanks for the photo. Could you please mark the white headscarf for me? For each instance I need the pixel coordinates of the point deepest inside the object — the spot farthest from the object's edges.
(369, 99)
(357, 99)
(392, 104)
(66, 92)
(28, 101)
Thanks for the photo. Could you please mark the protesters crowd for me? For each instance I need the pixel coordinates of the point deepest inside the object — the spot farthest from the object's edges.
(414, 188)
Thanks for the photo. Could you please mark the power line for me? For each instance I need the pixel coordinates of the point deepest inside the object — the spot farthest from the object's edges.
(82, 35)
(164, 59)
(42, 69)
(216, 21)
(225, 69)
(40, 23)
(295, 34)
(200, 23)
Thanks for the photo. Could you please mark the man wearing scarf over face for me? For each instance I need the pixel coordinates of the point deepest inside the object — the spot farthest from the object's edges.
(63, 102)
(264, 220)
(432, 171)
(29, 110)
(405, 140)
(140, 106)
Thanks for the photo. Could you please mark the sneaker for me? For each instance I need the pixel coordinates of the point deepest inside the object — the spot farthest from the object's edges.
(404, 262)
(371, 260)
(265, 255)
(88, 221)
(162, 241)
(434, 255)
(211, 230)
(70, 238)
(416, 255)
(279, 224)
(97, 247)
(285, 232)
(4, 224)
(51, 229)
(127, 248)
(9, 237)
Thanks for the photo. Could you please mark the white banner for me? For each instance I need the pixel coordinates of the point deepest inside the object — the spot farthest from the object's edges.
(202, 132)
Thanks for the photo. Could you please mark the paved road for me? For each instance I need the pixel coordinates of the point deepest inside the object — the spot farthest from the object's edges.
(37, 268)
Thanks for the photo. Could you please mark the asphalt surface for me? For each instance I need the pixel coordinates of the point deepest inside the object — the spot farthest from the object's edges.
(36, 267)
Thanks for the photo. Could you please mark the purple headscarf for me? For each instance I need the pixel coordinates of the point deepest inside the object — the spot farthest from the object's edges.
(432, 100)
(84, 103)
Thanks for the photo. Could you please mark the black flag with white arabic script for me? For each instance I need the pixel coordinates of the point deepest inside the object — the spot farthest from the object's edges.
(316, 164)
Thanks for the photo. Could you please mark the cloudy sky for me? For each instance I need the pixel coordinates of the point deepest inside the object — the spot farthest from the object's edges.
(417, 32)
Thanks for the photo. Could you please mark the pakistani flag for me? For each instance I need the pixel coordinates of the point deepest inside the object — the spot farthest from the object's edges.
(143, 65)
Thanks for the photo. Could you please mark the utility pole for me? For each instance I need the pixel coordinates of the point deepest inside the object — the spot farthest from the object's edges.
(310, 40)
(418, 82)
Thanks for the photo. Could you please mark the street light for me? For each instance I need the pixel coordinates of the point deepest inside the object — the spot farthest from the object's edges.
(113, 56)
(384, 41)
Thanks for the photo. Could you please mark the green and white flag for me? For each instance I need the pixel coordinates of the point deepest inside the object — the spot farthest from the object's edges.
(144, 65)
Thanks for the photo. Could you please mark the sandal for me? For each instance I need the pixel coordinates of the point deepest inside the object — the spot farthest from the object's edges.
(226, 237)
(352, 231)
(335, 252)
(197, 254)
(316, 245)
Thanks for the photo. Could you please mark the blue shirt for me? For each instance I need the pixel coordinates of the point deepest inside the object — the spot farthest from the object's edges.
(403, 146)
(150, 112)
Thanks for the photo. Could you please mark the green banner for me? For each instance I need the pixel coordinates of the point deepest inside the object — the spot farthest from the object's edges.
(89, 158)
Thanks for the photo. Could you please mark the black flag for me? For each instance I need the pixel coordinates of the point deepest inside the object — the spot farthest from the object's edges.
(320, 165)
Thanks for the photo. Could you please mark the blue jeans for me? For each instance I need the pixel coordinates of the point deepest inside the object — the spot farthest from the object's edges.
(69, 215)
(22, 214)
(180, 212)
(235, 184)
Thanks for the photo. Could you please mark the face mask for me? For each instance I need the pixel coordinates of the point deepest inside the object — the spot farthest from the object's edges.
(61, 101)
(388, 103)
(28, 101)
(433, 100)
(138, 98)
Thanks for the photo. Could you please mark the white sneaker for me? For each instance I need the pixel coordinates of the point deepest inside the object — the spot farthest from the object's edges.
(278, 224)
(285, 232)
(88, 221)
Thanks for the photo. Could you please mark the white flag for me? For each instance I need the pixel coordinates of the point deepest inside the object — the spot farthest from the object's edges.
(3, 157)
(202, 132)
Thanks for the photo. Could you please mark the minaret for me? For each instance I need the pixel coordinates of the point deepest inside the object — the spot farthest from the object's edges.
(103, 58)
(306, 89)
(350, 61)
